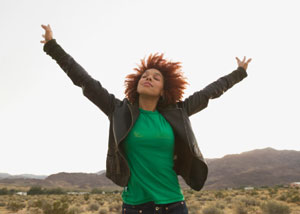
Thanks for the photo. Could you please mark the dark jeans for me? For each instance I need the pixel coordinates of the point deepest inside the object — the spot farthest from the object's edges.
(152, 208)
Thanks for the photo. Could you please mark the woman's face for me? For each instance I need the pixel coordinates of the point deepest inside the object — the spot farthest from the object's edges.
(151, 83)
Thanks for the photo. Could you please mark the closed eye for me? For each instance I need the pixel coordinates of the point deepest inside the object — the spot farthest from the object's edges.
(156, 78)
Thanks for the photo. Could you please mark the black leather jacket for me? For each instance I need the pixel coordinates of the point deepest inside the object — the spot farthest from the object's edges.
(188, 160)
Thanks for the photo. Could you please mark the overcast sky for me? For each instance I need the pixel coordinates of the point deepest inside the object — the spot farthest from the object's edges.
(48, 126)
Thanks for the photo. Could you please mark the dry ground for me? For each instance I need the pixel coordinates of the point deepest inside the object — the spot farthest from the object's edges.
(258, 201)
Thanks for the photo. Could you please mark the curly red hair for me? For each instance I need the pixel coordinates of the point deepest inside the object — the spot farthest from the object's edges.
(174, 81)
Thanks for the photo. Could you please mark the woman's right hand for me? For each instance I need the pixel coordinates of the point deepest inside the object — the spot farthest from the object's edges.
(243, 63)
(48, 34)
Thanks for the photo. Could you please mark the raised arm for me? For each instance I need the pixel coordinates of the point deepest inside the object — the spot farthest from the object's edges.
(91, 88)
(199, 100)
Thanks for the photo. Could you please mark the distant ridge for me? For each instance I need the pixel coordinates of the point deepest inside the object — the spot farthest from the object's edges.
(6, 175)
(80, 180)
(100, 172)
(260, 167)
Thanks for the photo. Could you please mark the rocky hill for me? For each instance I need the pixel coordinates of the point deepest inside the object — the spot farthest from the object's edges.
(79, 180)
(263, 167)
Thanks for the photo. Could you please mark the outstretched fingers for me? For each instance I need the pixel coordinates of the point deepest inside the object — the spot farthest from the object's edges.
(244, 58)
(48, 35)
(243, 63)
(46, 27)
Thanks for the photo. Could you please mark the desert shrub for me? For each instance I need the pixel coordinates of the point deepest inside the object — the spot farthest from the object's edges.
(98, 199)
(55, 191)
(3, 191)
(220, 205)
(193, 207)
(101, 203)
(34, 210)
(97, 191)
(65, 199)
(219, 194)
(290, 196)
(35, 190)
(199, 194)
(15, 206)
(228, 199)
(93, 207)
(86, 197)
(208, 198)
(13, 191)
(283, 197)
(189, 191)
(81, 202)
(263, 198)
(2, 204)
(294, 198)
(115, 207)
(56, 208)
(75, 210)
(211, 209)
(40, 203)
(249, 201)
(273, 207)
(272, 191)
(239, 208)
(187, 197)
(253, 193)
(103, 211)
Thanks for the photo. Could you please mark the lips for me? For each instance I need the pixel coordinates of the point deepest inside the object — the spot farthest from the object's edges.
(147, 84)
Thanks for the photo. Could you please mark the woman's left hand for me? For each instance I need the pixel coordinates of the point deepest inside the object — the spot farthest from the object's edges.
(243, 63)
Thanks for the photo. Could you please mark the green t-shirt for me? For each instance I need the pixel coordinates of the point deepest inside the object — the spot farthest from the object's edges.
(149, 149)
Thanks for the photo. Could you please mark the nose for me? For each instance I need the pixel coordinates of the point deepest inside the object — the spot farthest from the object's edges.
(148, 78)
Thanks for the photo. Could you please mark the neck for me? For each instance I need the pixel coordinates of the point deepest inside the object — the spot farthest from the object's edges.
(148, 103)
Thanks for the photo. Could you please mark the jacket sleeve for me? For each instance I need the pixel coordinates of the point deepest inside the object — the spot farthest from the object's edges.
(199, 100)
(91, 88)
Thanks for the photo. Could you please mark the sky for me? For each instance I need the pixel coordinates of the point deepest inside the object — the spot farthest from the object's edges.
(48, 126)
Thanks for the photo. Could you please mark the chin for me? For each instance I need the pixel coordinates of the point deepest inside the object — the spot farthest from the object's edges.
(147, 93)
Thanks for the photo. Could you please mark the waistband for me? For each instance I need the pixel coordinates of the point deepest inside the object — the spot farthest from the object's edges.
(152, 204)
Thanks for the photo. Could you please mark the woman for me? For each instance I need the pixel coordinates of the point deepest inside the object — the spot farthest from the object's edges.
(150, 137)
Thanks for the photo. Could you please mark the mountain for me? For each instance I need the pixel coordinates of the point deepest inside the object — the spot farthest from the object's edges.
(6, 175)
(80, 180)
(254, 168)
(100, 172)
(261, 167)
